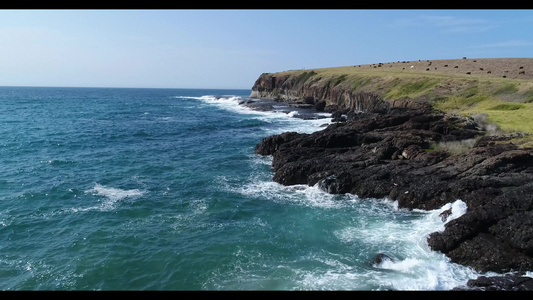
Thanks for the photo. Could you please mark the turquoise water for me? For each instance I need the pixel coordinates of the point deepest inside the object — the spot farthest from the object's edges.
(159, 189)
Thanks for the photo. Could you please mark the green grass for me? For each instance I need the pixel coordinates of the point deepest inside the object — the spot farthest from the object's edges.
(508, 103)
(336, 80)
(458, 103)
(302, 78)
(507, 88)
(507, 106)
(528, 96)
(513, 120)
(411, 88)
(470, 91)
(509, 117)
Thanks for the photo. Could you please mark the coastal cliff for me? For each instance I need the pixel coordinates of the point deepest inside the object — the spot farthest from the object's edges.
(406, 149)
(499, 88)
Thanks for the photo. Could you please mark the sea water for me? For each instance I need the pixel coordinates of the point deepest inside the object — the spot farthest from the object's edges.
(159, 189)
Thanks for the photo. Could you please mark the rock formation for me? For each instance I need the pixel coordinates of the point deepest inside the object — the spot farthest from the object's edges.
(395, 155)
(422, 158)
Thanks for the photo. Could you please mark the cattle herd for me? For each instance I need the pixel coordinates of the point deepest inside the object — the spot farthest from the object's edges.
(515, 68)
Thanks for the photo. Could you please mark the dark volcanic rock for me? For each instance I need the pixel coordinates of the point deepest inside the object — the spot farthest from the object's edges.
(424, 159)
(499, 283)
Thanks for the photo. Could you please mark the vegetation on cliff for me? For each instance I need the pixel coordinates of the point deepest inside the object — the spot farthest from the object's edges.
(500, 89)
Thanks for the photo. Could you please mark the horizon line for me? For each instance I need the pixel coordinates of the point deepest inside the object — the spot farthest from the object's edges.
(118, 87)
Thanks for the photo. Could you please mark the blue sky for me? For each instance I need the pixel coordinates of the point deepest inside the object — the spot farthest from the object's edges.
(231, 48)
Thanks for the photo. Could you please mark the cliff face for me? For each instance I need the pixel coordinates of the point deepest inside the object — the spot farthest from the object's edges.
(311, 88)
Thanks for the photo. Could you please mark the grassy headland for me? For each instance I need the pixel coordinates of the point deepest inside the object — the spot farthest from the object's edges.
(500, 88)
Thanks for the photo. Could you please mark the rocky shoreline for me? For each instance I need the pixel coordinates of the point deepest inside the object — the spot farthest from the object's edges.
(424, 159)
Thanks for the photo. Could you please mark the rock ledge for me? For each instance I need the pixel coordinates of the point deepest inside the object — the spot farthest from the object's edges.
(423, 159)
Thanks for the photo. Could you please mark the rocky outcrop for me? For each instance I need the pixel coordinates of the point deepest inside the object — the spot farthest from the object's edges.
(329, 95)
(388, 141)
(423, 159)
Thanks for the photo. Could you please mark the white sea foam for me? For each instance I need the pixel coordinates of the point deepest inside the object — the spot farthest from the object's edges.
(297, 194)
(405, 266)
(263, 187)
(225, 102)
(293, 113)
(111, 196)
(284, 121)
(384, 228)
(415, 266)
(114, 194)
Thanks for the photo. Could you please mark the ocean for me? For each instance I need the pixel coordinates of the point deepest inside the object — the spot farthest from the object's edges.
(160, 189)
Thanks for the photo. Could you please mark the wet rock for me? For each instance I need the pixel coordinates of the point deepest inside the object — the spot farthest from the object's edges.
(509, 282)
(424, 159)
(380, 257)
(320, 105)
